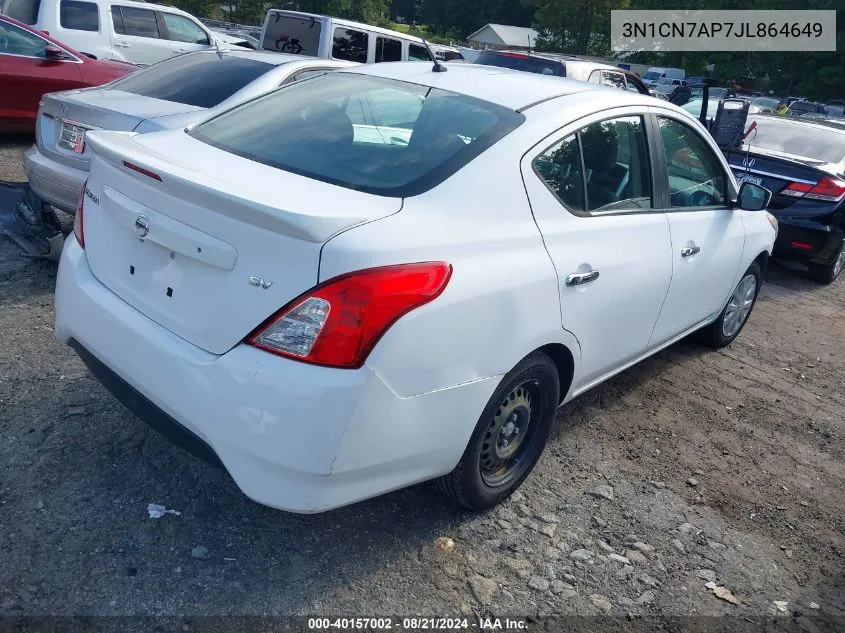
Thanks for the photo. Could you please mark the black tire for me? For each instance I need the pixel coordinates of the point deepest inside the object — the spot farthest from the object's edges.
(468, 484)
(827, 274)
(714, 334)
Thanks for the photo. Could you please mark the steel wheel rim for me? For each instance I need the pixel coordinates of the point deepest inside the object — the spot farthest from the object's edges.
(509, 434)
(739, 306)
(840, 262)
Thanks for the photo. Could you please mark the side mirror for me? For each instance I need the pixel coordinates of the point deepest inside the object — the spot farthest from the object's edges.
(753, 197)
(54, 54)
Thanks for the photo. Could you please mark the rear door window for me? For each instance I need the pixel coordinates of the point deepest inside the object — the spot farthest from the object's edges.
(137, 22)
(292, 34)
(197, 79)
(79, 16)
(388, 50)
(350, 45)
(25, 11)
(181, 29)
(417, 53)
(609, 78)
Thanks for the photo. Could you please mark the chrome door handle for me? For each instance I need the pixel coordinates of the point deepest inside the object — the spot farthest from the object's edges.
(576, 279)
(689, 250)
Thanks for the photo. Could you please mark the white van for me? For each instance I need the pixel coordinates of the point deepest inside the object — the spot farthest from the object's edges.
(334, 38)
(136, 32)
(653, 75)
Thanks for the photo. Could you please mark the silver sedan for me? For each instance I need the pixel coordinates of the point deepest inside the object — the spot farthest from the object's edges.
(167, 95)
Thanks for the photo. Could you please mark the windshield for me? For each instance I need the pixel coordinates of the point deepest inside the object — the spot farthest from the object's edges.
(651, 75)
(376, 135)
(517, 61)
(292, 34)
(198, 79)
(798, 139)
(25, 11)
(694, 107)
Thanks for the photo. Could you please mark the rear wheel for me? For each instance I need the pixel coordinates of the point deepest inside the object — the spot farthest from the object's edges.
(826, 274)
(509, 437)
(736, 312)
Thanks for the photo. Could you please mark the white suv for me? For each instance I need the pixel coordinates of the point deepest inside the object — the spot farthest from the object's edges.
(136, 32)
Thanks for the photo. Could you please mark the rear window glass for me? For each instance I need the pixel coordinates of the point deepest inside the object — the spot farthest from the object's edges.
(137, 22)
(25, 11)
(350, 45)
(197, 79)
(521, 62)
(80, 16)
(376, 135)
(798, 139)
(292, 34)
(417, 53)
(388, 50)
(803, 106)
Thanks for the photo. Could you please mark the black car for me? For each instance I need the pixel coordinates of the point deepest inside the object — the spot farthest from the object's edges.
(797, 108)
(802, 162)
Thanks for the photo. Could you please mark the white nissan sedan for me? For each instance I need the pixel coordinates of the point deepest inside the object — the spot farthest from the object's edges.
(385, 275)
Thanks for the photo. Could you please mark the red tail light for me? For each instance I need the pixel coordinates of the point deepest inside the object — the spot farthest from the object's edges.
(802, 245)
(78, 229)
(339, 322)
(141, 170)
(515, 55)
(829, 189)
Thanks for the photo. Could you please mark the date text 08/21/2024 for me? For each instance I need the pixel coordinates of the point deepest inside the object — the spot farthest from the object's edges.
(417, 624)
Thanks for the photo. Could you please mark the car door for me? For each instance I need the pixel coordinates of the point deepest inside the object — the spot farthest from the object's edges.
(591, 192)
(707, 236)
(26, 74)
(138, 36)
(184, 35)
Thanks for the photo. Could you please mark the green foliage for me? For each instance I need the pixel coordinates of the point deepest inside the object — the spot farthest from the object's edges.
(581, 27)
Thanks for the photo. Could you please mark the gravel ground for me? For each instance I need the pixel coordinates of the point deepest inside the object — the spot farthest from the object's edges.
(694, 467)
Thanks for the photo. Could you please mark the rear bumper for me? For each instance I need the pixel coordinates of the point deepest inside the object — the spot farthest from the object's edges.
(53, 182)
(802, 243)
(293, 436)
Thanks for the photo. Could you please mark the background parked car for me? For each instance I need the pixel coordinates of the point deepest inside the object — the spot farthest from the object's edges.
(170, 94)
(764, 104)
(803, 163)
(561, 65)
(835, 111)
(33, 63)
(797, 108)
(136, 32)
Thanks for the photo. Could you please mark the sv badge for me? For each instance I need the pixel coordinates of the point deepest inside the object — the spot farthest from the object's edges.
(259, 282)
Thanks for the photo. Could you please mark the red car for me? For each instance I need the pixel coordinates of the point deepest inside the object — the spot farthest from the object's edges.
(32, 63)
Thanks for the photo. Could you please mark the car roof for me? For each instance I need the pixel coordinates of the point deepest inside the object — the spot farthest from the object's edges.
(275, 59)
(799, 121)
(513, 89)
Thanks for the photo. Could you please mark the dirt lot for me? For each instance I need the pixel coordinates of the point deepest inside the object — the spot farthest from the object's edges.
(758, 426)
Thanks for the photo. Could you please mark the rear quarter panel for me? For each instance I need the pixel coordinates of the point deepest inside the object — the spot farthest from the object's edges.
(502, 300)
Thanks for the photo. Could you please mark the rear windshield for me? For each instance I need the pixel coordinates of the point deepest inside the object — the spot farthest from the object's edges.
(798, 139)
(376, 135)
(25, 11)
(292, 34)
(199, 79)
(521, 62)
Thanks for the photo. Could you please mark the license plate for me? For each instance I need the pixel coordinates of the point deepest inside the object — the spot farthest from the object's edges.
(754, 180)
(72, 137)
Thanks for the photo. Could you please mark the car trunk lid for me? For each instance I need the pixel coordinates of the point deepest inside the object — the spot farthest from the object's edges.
(65, 117)
(776, 173)
(209, 248)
